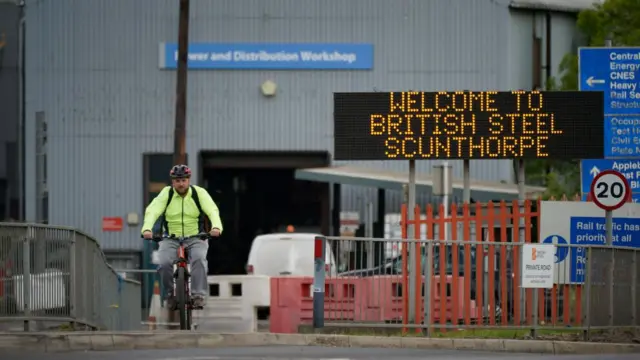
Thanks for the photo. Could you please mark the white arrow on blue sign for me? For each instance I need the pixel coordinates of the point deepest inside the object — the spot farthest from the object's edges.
(616, 72)
(629, 168)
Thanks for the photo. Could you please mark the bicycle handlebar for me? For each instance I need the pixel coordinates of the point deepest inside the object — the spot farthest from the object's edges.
(202, 236)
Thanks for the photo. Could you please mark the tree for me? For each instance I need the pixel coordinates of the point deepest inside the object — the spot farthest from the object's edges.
(618, 20)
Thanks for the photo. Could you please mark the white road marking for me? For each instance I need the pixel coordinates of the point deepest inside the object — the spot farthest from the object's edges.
(193, 358)
(246, 358)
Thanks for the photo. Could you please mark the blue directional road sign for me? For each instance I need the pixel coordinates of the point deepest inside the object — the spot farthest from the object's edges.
(629, 168)
(616, 72)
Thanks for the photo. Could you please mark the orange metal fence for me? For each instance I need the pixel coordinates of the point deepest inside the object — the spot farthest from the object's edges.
(495, 218)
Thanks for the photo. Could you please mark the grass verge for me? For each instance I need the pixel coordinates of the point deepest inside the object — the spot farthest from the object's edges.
(564, 334)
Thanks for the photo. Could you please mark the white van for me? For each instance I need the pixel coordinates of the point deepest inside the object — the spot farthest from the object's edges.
(287, 254)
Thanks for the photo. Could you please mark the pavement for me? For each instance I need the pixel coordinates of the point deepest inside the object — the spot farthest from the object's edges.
(303, 353)
(198, 345)
(231, 327)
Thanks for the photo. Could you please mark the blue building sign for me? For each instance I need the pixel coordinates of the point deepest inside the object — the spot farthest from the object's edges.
(590, 231)
(616, 72)
(259, 56)
(629, 168)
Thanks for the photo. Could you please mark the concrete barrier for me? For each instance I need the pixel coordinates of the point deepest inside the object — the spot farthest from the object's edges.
(233, 302)
(104, 341)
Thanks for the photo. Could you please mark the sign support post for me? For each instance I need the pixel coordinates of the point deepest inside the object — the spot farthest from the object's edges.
(608, 227)
(410, 244)
(522, 196)
(442, 186)
(466, 181)
(608, 215)
(608, 233)
(609, 191)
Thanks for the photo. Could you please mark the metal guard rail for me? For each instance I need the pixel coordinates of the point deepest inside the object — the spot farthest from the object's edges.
(60, 275)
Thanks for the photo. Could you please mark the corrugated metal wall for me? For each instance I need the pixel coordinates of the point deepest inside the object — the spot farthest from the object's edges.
(525, 25)
(9, 19)
(93, 69)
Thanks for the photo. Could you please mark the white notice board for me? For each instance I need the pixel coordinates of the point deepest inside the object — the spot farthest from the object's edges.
(538, 266)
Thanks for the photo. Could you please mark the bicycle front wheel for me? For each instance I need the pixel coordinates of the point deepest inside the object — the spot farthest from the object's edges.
(181, 298)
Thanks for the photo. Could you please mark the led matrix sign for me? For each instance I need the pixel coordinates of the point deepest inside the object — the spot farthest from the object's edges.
(468, 125)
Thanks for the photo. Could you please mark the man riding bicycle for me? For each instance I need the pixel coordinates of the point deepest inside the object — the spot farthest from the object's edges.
(182, 218)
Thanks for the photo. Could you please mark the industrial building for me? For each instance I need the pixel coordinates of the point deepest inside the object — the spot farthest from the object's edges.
(9, 110)
(99, 95)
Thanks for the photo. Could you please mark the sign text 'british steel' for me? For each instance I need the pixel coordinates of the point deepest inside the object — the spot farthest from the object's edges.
(468, 125)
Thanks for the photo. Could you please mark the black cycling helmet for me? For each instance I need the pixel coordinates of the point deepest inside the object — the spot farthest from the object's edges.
(180, 172)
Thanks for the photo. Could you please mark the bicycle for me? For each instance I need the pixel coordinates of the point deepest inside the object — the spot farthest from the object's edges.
(182, 278)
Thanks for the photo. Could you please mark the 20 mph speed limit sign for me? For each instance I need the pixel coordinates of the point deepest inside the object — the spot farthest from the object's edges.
(610, 190)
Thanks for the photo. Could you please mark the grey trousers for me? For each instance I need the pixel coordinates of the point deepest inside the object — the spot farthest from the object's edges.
(168, 253)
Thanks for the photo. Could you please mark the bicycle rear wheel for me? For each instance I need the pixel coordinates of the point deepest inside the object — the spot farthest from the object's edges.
(181, 298)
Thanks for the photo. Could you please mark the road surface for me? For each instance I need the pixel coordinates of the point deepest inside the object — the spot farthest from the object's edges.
(302, 353)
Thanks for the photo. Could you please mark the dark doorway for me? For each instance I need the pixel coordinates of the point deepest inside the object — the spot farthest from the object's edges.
(258, 194)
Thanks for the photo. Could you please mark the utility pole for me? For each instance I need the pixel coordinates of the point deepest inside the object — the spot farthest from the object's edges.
(180, 130)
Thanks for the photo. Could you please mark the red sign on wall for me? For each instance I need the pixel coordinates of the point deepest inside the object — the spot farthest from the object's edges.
(113, 223)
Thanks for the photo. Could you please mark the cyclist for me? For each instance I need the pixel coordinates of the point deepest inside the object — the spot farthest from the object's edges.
(182, 217)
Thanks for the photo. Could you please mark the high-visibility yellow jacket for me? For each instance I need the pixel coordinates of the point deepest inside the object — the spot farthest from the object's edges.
(182, 215)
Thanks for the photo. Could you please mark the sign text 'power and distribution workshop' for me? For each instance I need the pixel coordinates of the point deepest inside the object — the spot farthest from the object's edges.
(468, 125)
